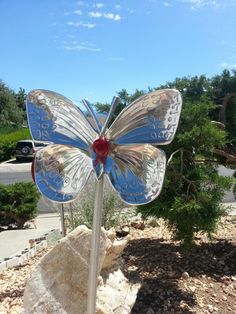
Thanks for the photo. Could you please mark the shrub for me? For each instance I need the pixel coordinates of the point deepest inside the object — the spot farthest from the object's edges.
(18, 203)
(193, 189)
(81, 211)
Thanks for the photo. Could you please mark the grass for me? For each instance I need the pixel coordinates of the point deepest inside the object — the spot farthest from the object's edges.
(8, 139)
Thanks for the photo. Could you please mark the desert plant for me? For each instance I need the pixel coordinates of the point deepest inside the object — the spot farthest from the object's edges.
(81, 210)
(18, 203)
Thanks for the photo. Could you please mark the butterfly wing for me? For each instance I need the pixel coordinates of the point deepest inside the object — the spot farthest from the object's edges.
(54, 118)
(136, 172)
(151, 119)
(61, 172)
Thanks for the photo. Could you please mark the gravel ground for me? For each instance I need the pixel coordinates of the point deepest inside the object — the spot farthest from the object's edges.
(202, 281)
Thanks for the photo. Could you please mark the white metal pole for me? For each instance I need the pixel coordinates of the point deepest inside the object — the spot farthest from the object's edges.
(95, 245)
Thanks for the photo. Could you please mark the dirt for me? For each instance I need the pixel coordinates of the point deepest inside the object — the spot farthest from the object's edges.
(201, 281)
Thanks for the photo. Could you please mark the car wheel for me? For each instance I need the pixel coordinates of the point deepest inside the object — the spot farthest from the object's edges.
(25, 150)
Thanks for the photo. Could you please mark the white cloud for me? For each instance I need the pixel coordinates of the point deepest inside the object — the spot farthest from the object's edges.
(196, 4)
(88, 25)
(79, 23)
(227, 65)
(225, 43)
(99, 5)
(70, 23)
(95, 14)
(74, 46)
(131, 11)
(80, 3)
(118, 7)
(115, 59)
(223, 64)
(166, 4)
(110, 16)
(78, 12)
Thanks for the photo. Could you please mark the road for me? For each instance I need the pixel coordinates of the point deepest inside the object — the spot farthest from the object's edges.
(13, 171)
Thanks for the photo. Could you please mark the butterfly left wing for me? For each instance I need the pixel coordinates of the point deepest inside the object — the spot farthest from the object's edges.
(136, 172)
(61, 172)
(151, 119)
(54, 118)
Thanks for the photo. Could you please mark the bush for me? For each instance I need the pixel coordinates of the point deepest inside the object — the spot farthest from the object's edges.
(8, 141)
(193, 189)
(81, 211)
(18, 203)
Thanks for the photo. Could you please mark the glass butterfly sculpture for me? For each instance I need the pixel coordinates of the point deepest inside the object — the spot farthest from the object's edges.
(80, 145)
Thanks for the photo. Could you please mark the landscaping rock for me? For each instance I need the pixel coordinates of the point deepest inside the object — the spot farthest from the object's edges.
(60, 282)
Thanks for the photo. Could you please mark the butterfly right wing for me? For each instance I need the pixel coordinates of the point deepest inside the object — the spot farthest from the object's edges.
(136, 172)
(54, 118)
(151, 119)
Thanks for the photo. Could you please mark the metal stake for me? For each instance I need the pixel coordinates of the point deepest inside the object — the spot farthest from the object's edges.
(95, 245)
(63, 229)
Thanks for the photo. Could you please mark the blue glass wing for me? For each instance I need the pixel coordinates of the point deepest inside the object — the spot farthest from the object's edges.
(54, 118)
(136, 172)
(151, 119)
(61, 172)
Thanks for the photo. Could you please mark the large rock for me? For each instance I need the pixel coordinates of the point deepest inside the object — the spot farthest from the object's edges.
(59, 283)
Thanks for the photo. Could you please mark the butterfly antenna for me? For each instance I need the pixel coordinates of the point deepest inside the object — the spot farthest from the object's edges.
(94, 116)
(114, 103)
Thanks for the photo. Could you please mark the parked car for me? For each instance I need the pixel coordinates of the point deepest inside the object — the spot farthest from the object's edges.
(26, 149)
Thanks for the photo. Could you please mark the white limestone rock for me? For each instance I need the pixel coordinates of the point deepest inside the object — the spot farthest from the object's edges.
(59, 283)
(116, 295)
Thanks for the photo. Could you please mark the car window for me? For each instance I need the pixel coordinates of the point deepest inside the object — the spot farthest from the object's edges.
(39, 144)
(23, 144)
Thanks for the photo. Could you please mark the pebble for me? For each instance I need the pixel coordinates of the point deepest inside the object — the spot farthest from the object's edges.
(185, 275)
(210, 308)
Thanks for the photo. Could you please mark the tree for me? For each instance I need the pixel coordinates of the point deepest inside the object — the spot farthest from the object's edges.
(125, 99)
(21, 98)
(193, 189)
(10, 113)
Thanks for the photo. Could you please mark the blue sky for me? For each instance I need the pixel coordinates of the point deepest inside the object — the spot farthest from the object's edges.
(87, 49)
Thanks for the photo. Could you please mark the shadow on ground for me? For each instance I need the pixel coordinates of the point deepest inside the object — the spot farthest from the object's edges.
(164, 272)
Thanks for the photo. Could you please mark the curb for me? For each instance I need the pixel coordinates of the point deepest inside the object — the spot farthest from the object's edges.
(23, 256)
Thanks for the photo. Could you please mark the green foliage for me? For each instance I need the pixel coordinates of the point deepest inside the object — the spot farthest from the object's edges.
(193, 189)
(10, 112)
(125, 99)
(82, 213)
(21, 98)
(18, 203)
(192, 192)
(8, 141)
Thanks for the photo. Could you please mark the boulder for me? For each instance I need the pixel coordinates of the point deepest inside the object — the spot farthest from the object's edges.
(59, 284)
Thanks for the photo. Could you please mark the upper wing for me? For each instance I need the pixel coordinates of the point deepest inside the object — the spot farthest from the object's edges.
(61, 172)
(137, 172)
(151, 119)
(54, 118)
